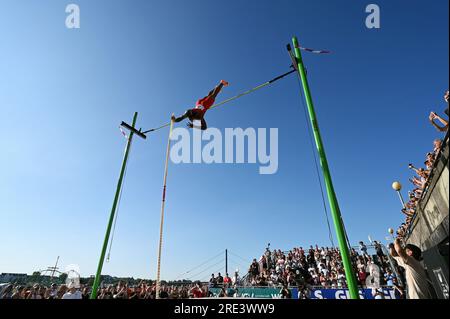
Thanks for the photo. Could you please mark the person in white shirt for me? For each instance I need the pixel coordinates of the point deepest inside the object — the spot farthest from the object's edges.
(73, 292)
(341, 279)
(373, 280)
(416, 278)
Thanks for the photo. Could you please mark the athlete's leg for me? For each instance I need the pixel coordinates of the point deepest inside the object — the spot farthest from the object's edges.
(213, 93)
(187, 114)
(204, 126)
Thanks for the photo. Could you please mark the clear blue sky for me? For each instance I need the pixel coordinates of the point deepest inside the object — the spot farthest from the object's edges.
(63, 93)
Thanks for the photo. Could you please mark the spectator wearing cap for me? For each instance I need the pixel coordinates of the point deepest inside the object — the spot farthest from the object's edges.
(409, 258)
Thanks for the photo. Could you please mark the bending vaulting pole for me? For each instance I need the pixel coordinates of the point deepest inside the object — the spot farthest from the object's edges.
(158, 273)
(113, 211)
(335, 212)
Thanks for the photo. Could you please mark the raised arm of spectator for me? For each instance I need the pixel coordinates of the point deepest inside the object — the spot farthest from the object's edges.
(415, 181)
(120, 293)
(400, 250)
(434, 116)
(444, 122)
(392, 251)
(418, 171)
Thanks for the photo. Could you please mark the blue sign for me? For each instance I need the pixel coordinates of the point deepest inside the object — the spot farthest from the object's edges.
(389, 293)
(274, 293)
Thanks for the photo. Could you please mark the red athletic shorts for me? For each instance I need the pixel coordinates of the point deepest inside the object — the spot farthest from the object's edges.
(204, 104)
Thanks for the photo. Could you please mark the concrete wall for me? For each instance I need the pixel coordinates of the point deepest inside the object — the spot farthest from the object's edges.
(430, 229)
(433, 210)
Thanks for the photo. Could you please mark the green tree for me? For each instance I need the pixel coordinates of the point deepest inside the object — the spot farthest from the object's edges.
(62, 278)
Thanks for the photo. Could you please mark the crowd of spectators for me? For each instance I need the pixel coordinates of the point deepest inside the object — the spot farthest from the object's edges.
(421, 178)
(121, 290)
(301, 268)
(322, 267)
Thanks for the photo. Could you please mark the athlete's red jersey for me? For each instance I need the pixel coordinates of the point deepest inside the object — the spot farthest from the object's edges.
(204, 104)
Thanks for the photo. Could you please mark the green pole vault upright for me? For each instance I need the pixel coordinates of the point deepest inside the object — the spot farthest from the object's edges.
(335, 212)
(114, 206)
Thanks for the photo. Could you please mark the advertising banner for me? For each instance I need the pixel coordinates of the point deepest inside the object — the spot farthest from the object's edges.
(274, 293)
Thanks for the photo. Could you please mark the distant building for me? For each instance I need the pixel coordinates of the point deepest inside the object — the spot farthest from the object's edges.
(7, 277)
